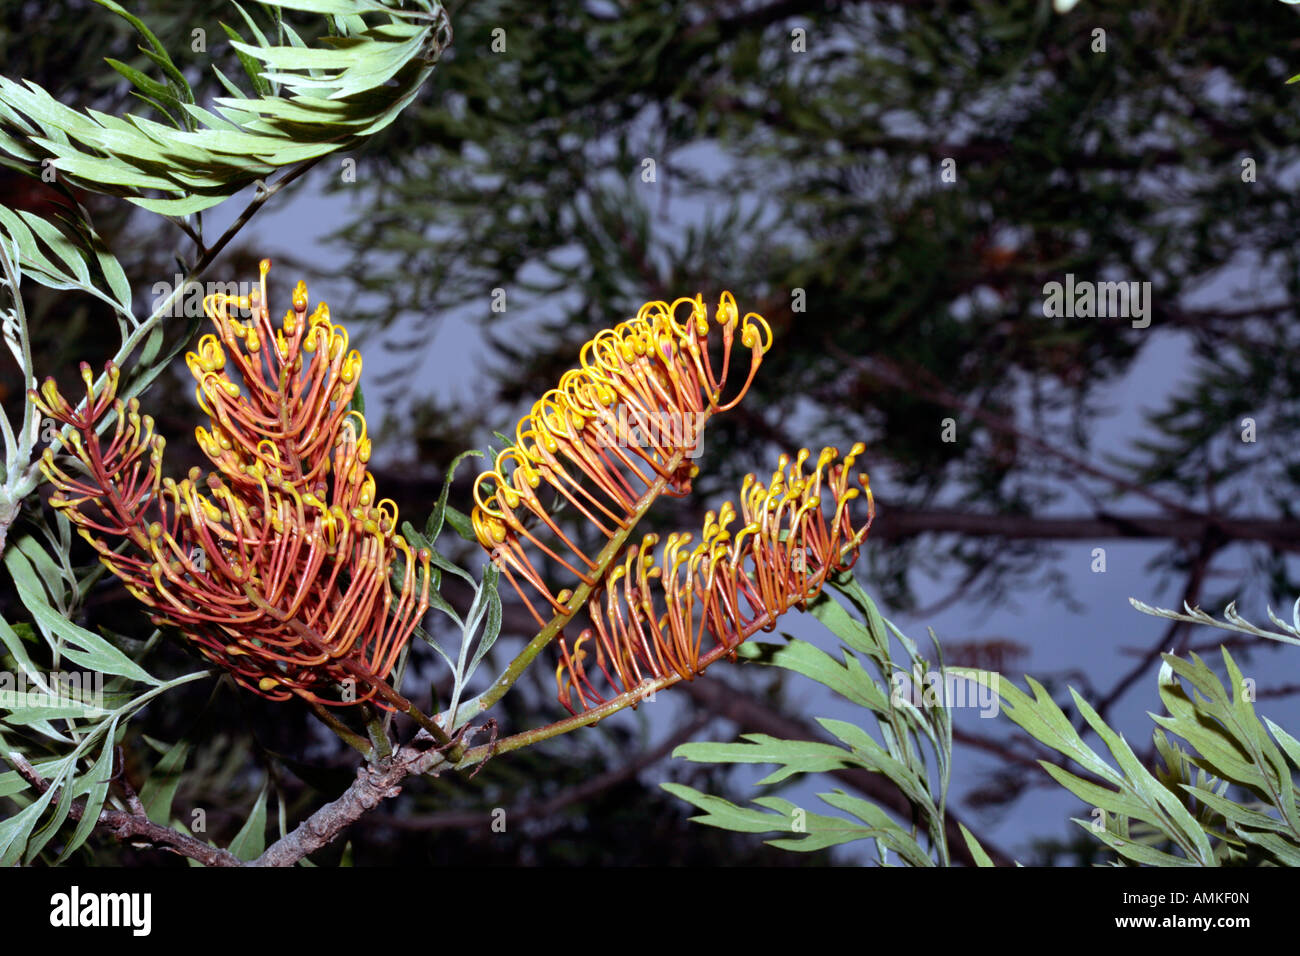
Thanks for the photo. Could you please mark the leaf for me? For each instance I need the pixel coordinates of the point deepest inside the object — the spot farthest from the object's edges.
(250, 841)
(981, 857)
(1154, 793)
(461, 523)
(366, 80)
(160, 56)
(1135, 851)
(99, 777)
(794, 756)
(724, 814)
(160, 789)
(891, 834)
(848, 680)
(434, 526)
(15, 830)
(88, 650)
(492, 624)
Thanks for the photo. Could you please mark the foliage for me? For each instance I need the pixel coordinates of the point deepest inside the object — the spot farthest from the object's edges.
(63, 741)
(289, 572)
(1184, 813)
(907, 733)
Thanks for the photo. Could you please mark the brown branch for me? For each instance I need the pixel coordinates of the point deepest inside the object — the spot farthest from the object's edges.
(895, 523)
(132, 826)
(547, 808)
(374, 784)
(891, 373)
(1169, 639)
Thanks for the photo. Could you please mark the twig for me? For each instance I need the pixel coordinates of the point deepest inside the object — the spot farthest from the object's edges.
(134, 825)
(373, 785)
(352, 739)
(547, 808)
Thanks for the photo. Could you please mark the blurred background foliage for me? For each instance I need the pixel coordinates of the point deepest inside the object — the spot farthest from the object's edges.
(798, 150)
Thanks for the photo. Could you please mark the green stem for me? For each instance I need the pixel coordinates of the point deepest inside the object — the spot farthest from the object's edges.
(614, 705)
(529, 737)
(348, 736)
(378, 731)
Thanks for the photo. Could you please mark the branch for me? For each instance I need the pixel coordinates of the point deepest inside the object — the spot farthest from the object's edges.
(895, 523)
(547, 808)
(890, 373)
(134, 825)
(374, 784)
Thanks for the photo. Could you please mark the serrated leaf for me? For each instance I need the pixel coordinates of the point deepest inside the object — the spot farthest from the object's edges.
(724, 814)
(848, 680)
(898, 839)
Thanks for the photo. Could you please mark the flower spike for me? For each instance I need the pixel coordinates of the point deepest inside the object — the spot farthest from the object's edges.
(277, 566)
(617, 431)
(729, 586)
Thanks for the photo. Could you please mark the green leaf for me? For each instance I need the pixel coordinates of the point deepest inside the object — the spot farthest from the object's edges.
(1135, 851)
(434, 526)
(87, 649)
(981, 857)
(99, 777)
(848, 680)
(793, 756)
(160, 789)
(461, 523)
(492, 623)
(15, 830)
(891, 834)
(250, 841)
(724, 814)
(160, 55)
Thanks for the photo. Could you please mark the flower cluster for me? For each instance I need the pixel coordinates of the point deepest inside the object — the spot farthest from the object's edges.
(597, 444)
(280, 566)
(617, 432)
(728, 586)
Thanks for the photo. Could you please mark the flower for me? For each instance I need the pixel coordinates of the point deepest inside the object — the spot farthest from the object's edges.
(617, 432)
(280, 565)
(598, 444)
(730, 586)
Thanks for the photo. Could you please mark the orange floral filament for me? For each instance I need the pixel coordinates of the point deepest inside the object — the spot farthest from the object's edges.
(728, 587)
(626, 420)
(285, 531)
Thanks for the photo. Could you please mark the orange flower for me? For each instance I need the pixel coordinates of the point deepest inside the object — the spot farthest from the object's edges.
(278, 566)
(617, 432)
(728, 586)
